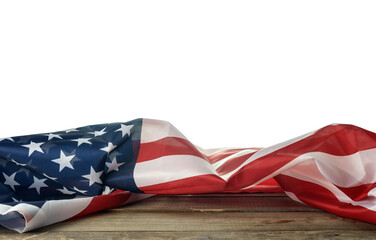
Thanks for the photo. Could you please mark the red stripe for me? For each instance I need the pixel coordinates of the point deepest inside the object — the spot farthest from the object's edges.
(232, 163)
(192, 185)
(340, 140)
(257, 170)
(165, 147)
(226, 153)
(320, 197)
(102, 202)
(267, 186)
(207, 184)
(358, 193)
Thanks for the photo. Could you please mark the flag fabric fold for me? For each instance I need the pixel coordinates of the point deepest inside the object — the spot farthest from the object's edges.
(52, 177)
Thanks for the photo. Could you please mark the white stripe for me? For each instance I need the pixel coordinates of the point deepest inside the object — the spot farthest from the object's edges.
(219, 163)
(137, 197)
(51, 212)
(344, 171)
(287, 166)
(31, 217)
(348, 171)
(266, 151)
(170, 168)
(24, 213)
(211, 151)
(294, 197)
(309, 172)
(54, 211)
(153, 130)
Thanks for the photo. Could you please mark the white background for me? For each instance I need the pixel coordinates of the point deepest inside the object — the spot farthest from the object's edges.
(226, 73)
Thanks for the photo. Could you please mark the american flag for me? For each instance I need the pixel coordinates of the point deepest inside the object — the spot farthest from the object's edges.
(51, 177)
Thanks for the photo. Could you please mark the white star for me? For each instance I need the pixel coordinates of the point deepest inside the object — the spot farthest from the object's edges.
(109, 147)
(107, 190)
(9, 138)
(99, 133)
(71, 130)
(15, 200)
(65, 191)
(125, 129)
(94, 177)
(113, 166)
(78, 190)
(38, 184)
(81, 141)
(51, 136)
(32, 146)
(9, 180)
(64, 161)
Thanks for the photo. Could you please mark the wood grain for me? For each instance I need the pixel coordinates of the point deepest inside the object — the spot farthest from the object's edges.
(246, 203)
(304, 235)
(215, 216)
(209, 221)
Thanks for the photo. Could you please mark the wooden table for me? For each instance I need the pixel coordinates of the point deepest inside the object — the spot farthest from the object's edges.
(209, 216)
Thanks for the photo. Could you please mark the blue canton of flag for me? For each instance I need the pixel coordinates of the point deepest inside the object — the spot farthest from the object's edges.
(68, 164)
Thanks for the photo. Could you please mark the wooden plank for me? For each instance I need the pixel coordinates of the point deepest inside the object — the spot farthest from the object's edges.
(233, 195)
(220, 203)
(209, 221)
(304, 235)
(206, 216)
